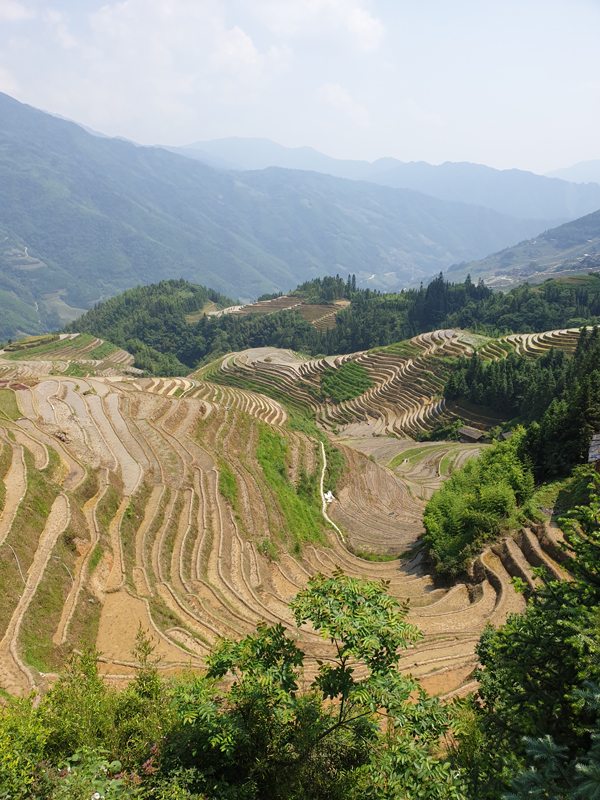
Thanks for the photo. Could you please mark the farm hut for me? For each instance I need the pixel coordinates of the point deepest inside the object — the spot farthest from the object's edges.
(470, 435)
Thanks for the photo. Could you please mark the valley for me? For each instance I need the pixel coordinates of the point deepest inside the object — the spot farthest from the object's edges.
(197, 506)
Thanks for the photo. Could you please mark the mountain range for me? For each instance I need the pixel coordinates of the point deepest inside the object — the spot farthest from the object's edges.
(515, 192)
(583, 172)
(559, 252)
(84, 217)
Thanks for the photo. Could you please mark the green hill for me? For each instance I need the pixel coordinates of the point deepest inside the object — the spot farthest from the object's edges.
(165, 329)
(85, 218)
(572, 247)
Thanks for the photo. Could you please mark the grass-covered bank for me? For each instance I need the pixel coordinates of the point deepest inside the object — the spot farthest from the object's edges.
(301, 505)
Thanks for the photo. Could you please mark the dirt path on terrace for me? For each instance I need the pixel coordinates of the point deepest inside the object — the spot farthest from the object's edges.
(76, 472)
(14, 675)
(16, 486)
(117, 573)
(81, 566)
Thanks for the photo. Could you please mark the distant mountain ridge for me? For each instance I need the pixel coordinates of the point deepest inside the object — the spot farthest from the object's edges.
(583, 172)
(569, 249)
(87, 217)
(515, 192)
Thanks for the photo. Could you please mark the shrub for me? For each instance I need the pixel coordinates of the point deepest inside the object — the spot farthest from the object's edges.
(476, 504)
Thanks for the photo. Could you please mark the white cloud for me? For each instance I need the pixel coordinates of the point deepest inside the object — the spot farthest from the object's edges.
(8, 84)
(367, 30)
(165, 60)
(60, 29)
(418, 114)
(289, 17)
(339, 98)
(181, 44)
(12, 11)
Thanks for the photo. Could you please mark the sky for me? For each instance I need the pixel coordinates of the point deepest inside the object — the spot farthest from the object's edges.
(497, 82)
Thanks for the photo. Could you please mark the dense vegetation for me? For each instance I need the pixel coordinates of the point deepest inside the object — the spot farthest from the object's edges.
(327, 289)
(559, 396)
(151, 320)
(188, 738)
(560, 399)
(301, 505)
(533, 725)
(535, 719)
(479, 501)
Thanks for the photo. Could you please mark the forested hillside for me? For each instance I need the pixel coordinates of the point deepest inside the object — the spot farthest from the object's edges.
(557, 397)
(372, 319)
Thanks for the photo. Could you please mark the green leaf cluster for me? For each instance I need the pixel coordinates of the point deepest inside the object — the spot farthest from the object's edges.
(476, 504)
(255, 726)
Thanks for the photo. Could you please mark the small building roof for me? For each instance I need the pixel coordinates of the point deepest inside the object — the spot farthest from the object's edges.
(594, 449)
(471, 433)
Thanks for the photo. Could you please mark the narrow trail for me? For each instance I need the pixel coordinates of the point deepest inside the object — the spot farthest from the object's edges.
(76, 472)
(117, 574)
(323, 501)
(14, 675)
(37, 449)
(140, 574)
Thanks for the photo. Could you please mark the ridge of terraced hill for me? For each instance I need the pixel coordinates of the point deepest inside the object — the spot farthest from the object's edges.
(198, 506)
(174, 327)
(320, 315)
(73, 354)
(407, 380)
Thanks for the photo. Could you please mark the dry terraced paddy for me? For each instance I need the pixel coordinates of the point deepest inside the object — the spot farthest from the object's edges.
(71, 353)
(193, 508)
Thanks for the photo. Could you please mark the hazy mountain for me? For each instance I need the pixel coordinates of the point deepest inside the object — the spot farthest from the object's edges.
(87, 217)
(568, 249)
(583, 172)
(204, 156)
(510, 191)
(513, 191)
(250, 154)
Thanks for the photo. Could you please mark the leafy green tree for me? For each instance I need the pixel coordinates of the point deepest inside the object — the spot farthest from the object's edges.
(477, 503)
(360, 728)
(534, 709)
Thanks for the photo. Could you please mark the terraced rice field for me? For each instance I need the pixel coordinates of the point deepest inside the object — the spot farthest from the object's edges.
(407, 396)
(321, 316)
(172, 503)
(74, 353)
